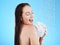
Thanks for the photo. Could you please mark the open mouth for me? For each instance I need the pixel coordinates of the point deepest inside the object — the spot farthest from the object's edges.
(31, 20)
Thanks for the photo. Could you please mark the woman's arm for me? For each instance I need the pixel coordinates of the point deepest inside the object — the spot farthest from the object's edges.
(40, 40)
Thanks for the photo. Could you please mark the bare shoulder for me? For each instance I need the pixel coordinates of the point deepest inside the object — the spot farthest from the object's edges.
(34, 39)
(33, 30)
(29, 33)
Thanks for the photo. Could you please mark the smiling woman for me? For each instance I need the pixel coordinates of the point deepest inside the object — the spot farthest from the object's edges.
(25, 32)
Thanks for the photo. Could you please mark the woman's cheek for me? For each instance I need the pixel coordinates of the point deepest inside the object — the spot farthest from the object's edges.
(28, 17)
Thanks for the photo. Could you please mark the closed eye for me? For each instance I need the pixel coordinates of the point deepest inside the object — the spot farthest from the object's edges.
(28, 13)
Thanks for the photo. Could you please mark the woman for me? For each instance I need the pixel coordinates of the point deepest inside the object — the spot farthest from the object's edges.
(25, 32)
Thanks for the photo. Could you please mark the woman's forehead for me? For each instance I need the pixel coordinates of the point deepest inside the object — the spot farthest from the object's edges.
(27, 9)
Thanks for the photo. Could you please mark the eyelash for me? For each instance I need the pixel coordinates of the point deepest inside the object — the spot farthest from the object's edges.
(29, 13)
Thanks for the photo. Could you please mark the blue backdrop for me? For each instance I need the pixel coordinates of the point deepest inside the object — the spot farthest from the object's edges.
(46, 11)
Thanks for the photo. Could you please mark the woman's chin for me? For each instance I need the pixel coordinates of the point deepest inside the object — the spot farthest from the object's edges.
(30, 23)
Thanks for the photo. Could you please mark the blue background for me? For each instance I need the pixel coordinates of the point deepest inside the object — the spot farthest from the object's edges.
(46, 11)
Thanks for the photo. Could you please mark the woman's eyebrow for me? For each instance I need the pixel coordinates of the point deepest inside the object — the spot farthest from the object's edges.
(29, 12)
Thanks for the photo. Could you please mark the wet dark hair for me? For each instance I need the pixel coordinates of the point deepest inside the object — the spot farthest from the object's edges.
(18, 22)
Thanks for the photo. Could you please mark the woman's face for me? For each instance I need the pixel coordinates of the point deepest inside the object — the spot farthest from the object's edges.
(27, 15)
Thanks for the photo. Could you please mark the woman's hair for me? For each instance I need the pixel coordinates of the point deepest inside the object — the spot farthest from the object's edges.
(18, 22)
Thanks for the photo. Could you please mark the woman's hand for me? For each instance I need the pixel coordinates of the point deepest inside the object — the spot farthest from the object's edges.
(41, 28)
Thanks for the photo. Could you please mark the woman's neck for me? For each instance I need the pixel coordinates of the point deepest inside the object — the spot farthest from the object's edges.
(27, 25)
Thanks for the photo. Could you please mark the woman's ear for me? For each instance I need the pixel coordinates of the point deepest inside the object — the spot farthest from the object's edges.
(21, 18)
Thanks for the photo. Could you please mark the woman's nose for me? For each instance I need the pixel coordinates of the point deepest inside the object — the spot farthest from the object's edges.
(31, 16)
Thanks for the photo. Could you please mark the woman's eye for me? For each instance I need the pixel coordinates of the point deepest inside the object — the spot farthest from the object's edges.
(27, 13)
